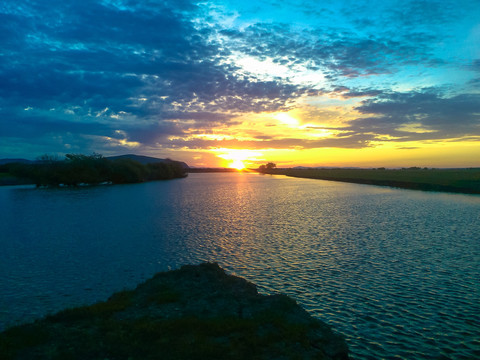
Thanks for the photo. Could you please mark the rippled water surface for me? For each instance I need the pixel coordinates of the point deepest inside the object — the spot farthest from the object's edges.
(396, 271)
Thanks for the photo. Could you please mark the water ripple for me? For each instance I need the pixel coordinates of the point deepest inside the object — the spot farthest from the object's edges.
(396, 271)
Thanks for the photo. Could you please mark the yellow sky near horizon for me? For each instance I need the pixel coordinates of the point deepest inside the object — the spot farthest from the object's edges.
(438, 155)
(289, 139)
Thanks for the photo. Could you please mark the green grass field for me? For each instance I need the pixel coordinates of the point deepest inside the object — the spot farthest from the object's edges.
(451, 180)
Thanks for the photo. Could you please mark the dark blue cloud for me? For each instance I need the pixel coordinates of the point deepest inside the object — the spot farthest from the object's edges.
(146, 63)
(335, 53)
(476, 65)
(444, 117)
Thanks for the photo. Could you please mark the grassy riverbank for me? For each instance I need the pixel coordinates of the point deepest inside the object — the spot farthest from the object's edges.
(449, 180)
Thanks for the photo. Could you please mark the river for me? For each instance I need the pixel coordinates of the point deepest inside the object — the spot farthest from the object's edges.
(395, 271)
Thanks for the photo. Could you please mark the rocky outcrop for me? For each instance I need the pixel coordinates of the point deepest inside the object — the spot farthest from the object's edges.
(196, 312)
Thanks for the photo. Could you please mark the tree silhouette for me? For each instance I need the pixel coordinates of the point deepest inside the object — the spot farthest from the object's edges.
(268, 168)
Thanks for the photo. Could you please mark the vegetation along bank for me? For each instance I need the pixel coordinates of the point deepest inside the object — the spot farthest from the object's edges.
(94, 169)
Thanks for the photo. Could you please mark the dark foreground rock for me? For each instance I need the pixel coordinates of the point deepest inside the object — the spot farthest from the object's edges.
(197, 312)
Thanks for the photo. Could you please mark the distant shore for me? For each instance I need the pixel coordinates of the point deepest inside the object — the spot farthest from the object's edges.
(466, 181)
(211, 170)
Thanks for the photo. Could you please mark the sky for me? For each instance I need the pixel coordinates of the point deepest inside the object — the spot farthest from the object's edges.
(222, 83)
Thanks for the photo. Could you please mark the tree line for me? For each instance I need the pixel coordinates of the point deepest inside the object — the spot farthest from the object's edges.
(77, 169)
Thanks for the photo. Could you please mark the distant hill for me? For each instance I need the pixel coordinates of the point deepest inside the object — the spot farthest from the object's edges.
(146, 159)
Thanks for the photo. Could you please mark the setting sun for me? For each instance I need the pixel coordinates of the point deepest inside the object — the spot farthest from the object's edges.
(238, 158)
(237, 164)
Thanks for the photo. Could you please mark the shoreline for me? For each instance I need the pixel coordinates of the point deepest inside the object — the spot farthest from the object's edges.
(459, 181)
(400, 185)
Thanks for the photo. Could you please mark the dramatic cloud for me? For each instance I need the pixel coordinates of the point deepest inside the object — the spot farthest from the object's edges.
(112, 63)
(428, 115)
(109, 76)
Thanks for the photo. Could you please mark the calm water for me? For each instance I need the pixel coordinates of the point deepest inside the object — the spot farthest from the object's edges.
(396, 271)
